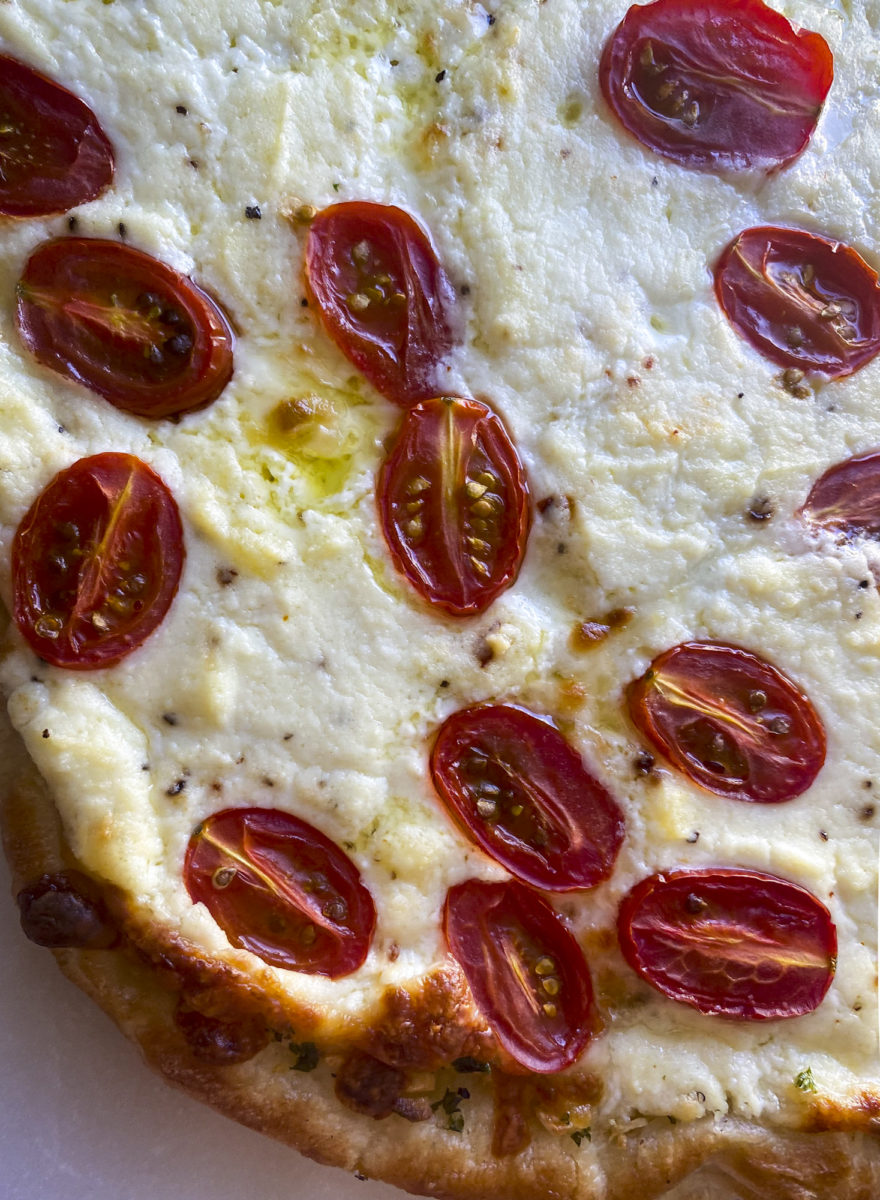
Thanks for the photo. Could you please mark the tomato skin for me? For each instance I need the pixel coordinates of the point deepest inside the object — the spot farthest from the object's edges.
(453, 503)
(846, 499)
(124, 325)
(499, 933)
(378, 253)
(730, 942)
(55, 154)
(96, 562)
(281, 889)
(569, 829)
(723, 85)
(730, 721)
(801, 300)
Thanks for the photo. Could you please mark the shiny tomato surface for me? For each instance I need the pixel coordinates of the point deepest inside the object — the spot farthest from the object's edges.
(731, 942)
(53, 153)
(801, 300)
(96, 562)
(527, 973)
(281, 889)
(730, 721)
(846, 499)
(125, 325)
(722, 85)
(516, 787)
(382, 295)
(453, 503)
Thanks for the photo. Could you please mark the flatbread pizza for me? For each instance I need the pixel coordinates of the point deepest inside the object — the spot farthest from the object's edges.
(439, 496)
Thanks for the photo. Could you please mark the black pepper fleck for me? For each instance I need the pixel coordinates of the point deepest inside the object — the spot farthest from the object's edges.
(444, 683)
(46, 733)
(287, 737)
(655, 182)
(561, 547)
(72, 223)
(823, 835)
(360, 1175)
(465, 289)
(739, 395)
(253, 212)
(169, 718)
(490, 19)
(868, 812)
(440, 76)
(181, 108)
(644, 763)
(226, 575)
(760, 509)
(863, 583)
(176, 788)
(122, 230)
(694, 837)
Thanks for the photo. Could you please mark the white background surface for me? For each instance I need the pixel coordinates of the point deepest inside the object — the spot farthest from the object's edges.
(82, 1118)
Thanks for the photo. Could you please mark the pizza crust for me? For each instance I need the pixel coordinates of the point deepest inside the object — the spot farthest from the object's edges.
(727, 1159)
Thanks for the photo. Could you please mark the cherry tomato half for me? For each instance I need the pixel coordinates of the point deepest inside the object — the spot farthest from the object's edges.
(716, 84)
(53, 153)
(802, 300)
(730, 721)
(516, 787)
(278, 887)
(731, 942)
(382, 295)
(527, 973)
(96, 562)
(453, 502)
(846, 498)
(125, 325)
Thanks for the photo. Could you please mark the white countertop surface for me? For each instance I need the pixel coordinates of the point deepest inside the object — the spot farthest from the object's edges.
(84, 1119)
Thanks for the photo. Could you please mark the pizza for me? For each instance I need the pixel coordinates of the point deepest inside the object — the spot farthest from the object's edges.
(439, 498)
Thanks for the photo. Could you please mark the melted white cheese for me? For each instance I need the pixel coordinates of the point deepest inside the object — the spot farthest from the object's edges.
(314, 680)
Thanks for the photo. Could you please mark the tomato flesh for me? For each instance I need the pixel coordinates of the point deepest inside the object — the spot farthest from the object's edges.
(96, 562)
(516, 787)
(281, 889)
(53, 153)
(124, 325)
(527, 974)
(730, 942)
(801, 300)
(846, 499)
(716, 84)
(453, 502)
(382, 295)
(730, 721)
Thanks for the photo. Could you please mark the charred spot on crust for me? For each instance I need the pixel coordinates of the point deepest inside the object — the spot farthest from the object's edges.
(368, 1086)
(66, 911)
(219, 1042)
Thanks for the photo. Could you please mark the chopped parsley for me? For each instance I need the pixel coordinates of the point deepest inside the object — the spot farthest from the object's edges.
(804, 1080)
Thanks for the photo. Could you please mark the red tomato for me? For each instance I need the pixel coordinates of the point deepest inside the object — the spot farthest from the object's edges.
(517, 788)
(96, 562)
(53, 153)
(734, 943)
(527, 973)
(847, 497)
(125, 325)
(802, 300)
(382, 295)
(730, 721)
(281, 889)
(453, 502)
(716, 84)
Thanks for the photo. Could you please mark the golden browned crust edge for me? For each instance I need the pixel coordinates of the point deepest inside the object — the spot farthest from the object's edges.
(727, 1160)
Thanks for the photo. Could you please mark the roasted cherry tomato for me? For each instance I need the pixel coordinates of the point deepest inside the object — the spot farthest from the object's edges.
(846, 499)
(802, 300)
(516, 787)
(730, 721)
(734, 943)
(96, 562)
(716, 84)
(53, 153)
(454, 505)
(382, 295)
(125, 325)
(527, 973)
(281, 889)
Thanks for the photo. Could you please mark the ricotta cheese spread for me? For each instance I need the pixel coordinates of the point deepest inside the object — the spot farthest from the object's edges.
(296, 670)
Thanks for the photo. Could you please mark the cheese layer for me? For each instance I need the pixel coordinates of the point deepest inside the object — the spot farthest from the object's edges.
(295, 669)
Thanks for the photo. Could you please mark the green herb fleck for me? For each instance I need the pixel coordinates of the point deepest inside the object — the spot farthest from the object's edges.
(804, 1080)
(580, 1135)
(306, 1056)
(468, 1065)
